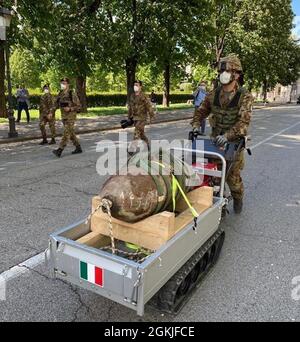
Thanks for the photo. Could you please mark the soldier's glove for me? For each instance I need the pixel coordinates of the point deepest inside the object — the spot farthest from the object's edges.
(221, 140)
(194, 134)
(127, 123)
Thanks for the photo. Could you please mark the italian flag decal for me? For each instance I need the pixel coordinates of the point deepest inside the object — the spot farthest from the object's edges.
(91, 273)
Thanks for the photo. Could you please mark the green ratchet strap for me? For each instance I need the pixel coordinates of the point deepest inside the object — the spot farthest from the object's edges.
(175, 186)
(137, 248)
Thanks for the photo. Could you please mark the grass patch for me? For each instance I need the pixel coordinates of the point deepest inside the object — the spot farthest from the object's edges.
(100, 111)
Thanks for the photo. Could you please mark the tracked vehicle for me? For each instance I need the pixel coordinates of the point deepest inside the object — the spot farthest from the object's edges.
(164, 279)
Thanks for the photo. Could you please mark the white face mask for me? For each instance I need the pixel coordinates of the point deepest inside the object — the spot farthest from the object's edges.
(46, 91)
(136, 89)
(63, 87)
(226, 77)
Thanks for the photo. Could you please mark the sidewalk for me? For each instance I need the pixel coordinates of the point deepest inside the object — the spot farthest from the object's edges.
(90, 125)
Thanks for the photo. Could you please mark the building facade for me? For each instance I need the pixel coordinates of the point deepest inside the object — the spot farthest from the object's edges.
(281, 94)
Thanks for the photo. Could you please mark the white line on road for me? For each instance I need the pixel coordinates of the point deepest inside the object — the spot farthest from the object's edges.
(274, 135)
(39, 259)
(23, 267)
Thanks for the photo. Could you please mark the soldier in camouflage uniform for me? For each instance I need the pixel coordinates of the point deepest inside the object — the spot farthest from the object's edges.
(140, 109)
(230, 109)
(47, 116)
(69, 105)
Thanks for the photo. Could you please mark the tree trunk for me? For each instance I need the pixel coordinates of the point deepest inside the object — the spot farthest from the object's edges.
(167, 78)
(131, 65)
(265, 90)
(81, 92)
(3, 113)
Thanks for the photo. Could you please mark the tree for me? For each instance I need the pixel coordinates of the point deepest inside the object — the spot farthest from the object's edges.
(127, 26)
(259, 32)
(63, 35)
(25, 68)
(179, 33)
(203, 72)
(261, 36)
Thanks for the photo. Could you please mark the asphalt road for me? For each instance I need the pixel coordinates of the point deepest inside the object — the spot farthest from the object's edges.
(261, 256)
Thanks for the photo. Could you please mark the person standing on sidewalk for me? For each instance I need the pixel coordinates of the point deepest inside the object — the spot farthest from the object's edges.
(47, 115)
(23, 102)
(199, 96)
(69, 105)
(140, 109)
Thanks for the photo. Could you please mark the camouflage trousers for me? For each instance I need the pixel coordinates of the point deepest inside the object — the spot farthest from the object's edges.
(234, 179)
(43, 123)
(139, 132)
(69, 133)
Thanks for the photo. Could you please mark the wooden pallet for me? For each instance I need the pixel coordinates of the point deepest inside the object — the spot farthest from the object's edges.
(152, 232)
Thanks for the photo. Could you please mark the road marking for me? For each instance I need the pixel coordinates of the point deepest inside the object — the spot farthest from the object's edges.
(39, 259)
(23, 267)
(274, 135)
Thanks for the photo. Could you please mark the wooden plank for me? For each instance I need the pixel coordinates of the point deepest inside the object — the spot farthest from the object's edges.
(186, 217)
(94, 239)
(150, 233)
(161, 224)
(203, 195)
(155, 230)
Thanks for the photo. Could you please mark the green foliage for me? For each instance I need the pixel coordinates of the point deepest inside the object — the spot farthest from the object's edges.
(203, 73)
(103, 80)
(25, 69)
(259, 32)
(100, 38)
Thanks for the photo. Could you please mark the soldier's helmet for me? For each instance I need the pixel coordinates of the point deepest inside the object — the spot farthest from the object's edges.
(230, 62)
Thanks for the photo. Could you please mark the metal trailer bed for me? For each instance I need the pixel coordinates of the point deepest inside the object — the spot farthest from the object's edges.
(126, 282)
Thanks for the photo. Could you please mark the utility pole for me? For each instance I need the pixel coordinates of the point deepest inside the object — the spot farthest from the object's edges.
(2, 71)
(12, 122)
(3, 113)
(5, 20)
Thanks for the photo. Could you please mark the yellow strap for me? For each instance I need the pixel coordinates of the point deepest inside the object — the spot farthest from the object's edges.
(137, 248)
(175, 186)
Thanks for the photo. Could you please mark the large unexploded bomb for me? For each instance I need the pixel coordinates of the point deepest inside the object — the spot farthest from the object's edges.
(147, 187)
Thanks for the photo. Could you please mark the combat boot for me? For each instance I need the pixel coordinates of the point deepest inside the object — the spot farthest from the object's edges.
(58, 152)
(52, 142)
(77, 150)
(44, 142)
(237, 205)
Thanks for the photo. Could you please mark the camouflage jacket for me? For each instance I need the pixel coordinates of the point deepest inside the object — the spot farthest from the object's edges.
(46, 105)
(226, 118)
(68, 99)
(140, 108)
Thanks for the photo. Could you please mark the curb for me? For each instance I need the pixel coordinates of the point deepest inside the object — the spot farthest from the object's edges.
(88, 131)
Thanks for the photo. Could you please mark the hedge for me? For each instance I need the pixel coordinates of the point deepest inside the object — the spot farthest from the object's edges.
(108, 100)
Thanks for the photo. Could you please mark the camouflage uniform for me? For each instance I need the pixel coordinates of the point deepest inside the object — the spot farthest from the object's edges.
(46, 109)
(68, 99)
(140, 109)
(230, 115)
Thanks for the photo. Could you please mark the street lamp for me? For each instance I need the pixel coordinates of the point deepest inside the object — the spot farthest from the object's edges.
(5, 20)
